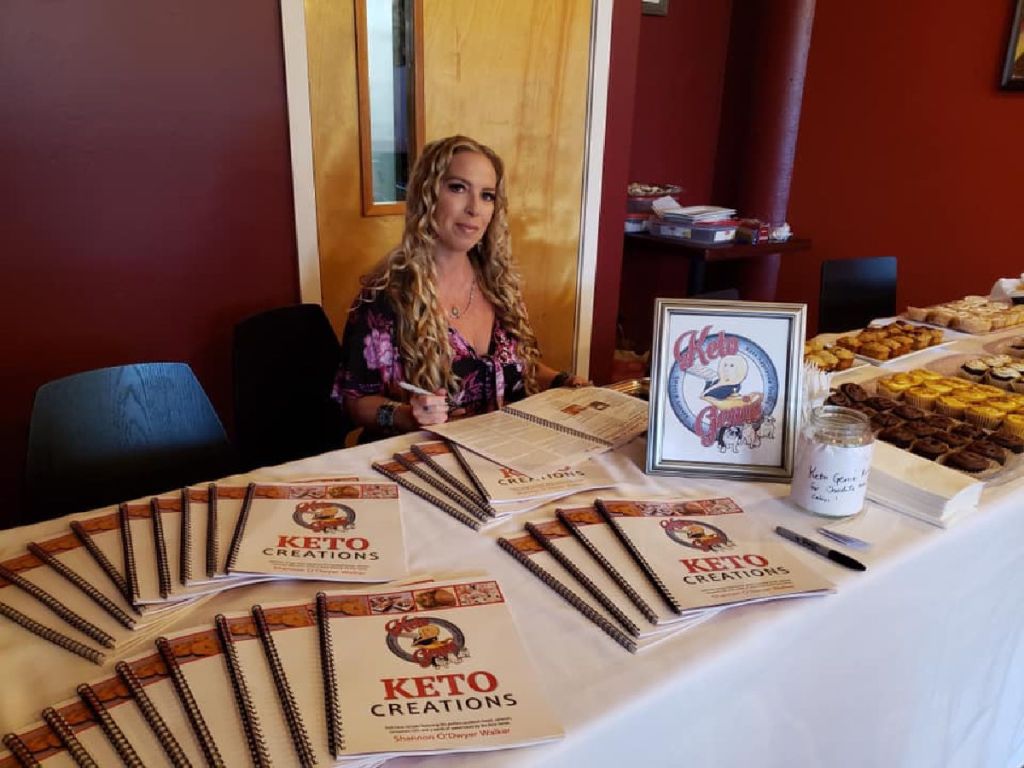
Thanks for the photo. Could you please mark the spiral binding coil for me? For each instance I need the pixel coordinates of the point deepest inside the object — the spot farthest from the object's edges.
(243, 700)
(300, 739)
(67, 737)
(583, 579)
(80, 623)
(464, 463)
(185, 550)
(212, 539)
(160, 543)
(335, 735)
(471, 493)
(51, 635)
(570, 597)
(111, 730)
(640, 559)
(557, 427)
(610, 569)
(468, 505)
(131, 575)
(88, 589)
(20, 750)
(243, 518)
(444, 506)
(101, 559)
(188, 703)
(156, 723)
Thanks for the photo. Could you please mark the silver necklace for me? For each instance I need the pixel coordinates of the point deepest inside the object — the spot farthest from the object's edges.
(455, 312)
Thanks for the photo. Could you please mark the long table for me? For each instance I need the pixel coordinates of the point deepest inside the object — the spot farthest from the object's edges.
(917, 662)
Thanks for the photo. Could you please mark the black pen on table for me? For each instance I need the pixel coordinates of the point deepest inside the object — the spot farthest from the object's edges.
(834, 555)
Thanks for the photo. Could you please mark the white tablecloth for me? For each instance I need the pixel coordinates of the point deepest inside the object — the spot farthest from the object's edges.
(917, 662)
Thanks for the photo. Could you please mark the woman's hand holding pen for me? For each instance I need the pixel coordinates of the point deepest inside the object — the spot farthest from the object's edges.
(427, 407)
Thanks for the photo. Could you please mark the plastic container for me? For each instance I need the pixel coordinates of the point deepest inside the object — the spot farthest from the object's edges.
(711, 233)
(636, 222)
(833, 460)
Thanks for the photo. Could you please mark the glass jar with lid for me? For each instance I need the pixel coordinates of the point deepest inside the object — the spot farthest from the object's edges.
(833, 461)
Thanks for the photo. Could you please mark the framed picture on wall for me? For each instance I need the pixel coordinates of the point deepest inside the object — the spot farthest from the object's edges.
(1013, 67)
(655, 7)
(726, 381)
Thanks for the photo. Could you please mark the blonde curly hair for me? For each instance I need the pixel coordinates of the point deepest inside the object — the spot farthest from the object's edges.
(408, 276)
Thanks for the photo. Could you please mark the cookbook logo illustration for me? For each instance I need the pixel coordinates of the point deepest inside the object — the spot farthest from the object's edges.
(723, 388)
(696, 535)
(324, 516)
(426, 641)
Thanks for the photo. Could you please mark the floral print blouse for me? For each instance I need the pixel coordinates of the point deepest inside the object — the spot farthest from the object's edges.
(371, 363)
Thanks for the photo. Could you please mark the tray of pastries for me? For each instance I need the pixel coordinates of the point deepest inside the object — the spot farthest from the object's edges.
(895, 341)
(975, 428)
(971, 314)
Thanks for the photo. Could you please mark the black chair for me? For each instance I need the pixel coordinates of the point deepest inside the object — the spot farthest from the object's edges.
(114, 434)
(856, 291)
(725, 294)
(285, 361)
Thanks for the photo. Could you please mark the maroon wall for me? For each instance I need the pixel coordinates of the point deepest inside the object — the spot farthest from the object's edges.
(148, 187)
(907, 147)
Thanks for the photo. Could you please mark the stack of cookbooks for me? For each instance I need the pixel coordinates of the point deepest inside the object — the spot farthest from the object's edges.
(117, 576)
(479, 492)
(350, 678)
(641, 570)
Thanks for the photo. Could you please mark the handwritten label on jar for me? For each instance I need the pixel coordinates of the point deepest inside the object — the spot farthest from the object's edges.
(830, 480)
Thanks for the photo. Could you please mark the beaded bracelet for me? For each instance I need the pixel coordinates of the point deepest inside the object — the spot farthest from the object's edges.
(560, 379)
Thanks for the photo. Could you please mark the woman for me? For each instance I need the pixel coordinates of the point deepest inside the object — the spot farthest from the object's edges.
(443, 311)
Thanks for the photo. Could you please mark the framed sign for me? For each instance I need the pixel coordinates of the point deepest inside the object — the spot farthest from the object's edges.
(1013, 65)
(726, 380)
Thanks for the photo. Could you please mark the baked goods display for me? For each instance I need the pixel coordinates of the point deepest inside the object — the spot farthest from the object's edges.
(971, 314)
(827, 356)
(968, 426)
(1002, 371)
(888, 342)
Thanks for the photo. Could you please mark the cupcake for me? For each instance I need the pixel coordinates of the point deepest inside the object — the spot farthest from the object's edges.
(987, 449)
(1002, 404)
(1003, 377)
(994, 361)
(984, 416)
(855, 392)
(1013, 423)
(921, 428)
(930, 448)
(880, 403)
(957, 440)
(899, 436)
(949, 405)
(966, 461)
(909, 412)
(917, 313)
(922, 397)
(971, 431)
(928, 376)
(941, 422)
(875, 350)
(891, 388)
(1012, 443)
(838, 398)
(844, 356)
(974, 370)
(885, 421)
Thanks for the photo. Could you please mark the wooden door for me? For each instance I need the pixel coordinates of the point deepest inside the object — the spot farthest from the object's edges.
(512, 74)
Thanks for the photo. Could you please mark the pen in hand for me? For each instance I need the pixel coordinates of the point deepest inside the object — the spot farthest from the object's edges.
(421, 391)
(818, 548)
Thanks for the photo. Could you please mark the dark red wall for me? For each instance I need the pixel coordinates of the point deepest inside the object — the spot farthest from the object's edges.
(907, 147)
(147, 190)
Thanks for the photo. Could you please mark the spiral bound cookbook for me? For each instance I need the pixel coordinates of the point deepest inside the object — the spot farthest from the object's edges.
(552, 429)
(706, 553)
(332, 531)
(429, 668)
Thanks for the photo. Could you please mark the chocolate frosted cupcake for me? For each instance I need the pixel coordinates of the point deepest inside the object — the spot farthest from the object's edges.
(909, 412)
(955, 439)
(855, 392)
(1012, 443)
(940, 421)
(922, 428)
(966, 461)
(1003, 377)
(838, 398)
(971, 431)
(881, 403)
(885, 421)
(930, 448)
(988, 449)
(899, 436)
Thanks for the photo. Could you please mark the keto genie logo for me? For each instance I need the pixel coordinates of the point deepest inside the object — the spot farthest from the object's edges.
(323, 516)
(426, 641)
(723, 388)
